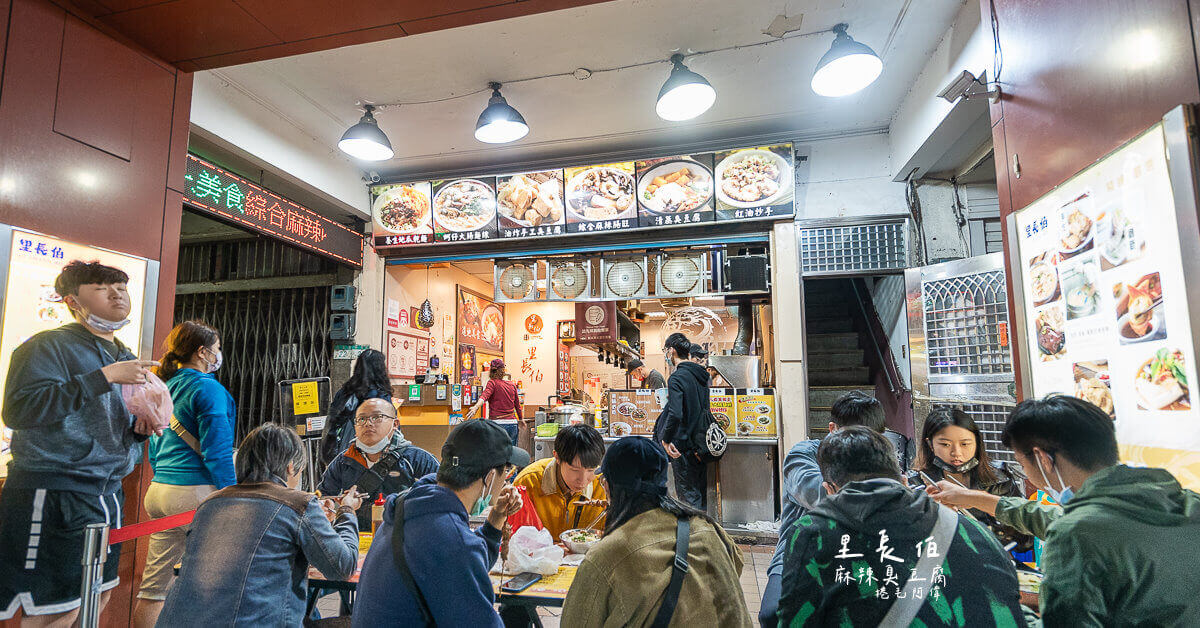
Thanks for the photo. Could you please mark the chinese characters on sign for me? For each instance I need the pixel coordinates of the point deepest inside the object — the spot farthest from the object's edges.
(887, 585)
(215, 191)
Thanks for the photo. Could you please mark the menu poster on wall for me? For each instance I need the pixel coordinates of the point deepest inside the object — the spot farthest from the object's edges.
(530, 204)
(754, 183)
(466, 365)
(722, 402)
(601, 198)
(400, 214)
(755, 412)
(564, 369)
(675, 190)
(1106, 304)
(480, 321)
(464, 209)
(405, 355)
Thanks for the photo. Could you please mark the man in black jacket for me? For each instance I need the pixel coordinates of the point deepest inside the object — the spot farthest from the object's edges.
(680, 428)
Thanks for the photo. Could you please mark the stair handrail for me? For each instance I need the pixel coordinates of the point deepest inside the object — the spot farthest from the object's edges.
(890, 370)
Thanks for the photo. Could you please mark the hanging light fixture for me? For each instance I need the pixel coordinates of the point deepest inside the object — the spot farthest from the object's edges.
(500, 123)
(848, 67)
(425, 315)
(365, 140)
(685, 95)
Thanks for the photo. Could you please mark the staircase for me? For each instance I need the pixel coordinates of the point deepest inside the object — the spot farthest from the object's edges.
(836, 362)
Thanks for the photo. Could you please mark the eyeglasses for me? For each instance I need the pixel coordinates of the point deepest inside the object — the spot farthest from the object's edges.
(373, 418)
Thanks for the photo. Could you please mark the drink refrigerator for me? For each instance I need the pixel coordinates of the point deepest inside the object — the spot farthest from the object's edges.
(1103, 308)
(29, 263)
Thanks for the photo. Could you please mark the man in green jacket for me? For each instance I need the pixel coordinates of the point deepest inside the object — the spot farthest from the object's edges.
(1125, 548)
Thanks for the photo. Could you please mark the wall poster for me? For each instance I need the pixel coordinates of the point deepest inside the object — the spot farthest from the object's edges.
(480, 321)
(407, 355)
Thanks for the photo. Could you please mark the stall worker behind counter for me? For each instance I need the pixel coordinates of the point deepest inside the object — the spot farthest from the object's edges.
(651, 379)
(380, 461)
(564, 489)
(503, 399)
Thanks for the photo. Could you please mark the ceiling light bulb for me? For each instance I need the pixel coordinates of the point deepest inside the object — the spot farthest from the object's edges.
(848, 67)
(365, 140)
(500, 123)
(685, 95)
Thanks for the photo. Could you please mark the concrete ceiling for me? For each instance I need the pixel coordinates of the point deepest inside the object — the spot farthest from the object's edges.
(762, 91)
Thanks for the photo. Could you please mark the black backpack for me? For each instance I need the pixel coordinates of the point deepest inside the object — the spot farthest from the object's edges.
(710, 441)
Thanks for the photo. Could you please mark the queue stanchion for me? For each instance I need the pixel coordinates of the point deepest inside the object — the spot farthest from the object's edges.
(95, 548)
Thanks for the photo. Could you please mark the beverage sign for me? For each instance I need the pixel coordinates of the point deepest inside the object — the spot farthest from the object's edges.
(215, 191)
(1106, 316)
(755, 183)
(596, 321)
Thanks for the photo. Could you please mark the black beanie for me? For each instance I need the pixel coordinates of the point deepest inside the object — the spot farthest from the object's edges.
(636, 463)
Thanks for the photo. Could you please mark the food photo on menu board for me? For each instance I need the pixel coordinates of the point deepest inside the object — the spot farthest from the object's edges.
(480, 322)
(601, 198)
(401, 213)
(755, 182)
(464, 209)
(530, 204)
(675, 190)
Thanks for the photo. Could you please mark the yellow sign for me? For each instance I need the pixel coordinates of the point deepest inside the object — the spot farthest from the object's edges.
(304, 398)
(755, 412)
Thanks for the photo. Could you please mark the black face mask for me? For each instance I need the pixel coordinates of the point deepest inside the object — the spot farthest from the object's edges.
(962, 468)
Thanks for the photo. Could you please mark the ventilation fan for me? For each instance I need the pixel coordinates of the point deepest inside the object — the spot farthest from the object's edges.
(624, 278)
(516, 281)
(568, 280)
(681, 274)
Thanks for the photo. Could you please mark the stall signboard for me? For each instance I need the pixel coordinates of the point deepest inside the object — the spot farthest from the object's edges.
(632, 412)
(530, 204)
(722, 402)
(31, 305)
(466, 366)
(405, 355)
(480, 321)
(464, 210)
(596, 321)
(755, 183)
(755, 412)
(215, 191)
(1106, 303)
(675, 190)
(401, 214)
(601, 198)
(563, 368)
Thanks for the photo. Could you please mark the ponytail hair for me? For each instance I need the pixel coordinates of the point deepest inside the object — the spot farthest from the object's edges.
(182, 344)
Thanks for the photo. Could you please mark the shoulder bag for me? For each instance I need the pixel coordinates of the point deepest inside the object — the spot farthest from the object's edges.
(679, 569)
(905, 609)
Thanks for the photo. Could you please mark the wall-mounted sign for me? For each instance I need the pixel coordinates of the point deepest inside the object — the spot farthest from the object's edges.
(480, 321)
(215, 191)
(566, 330)
(596, 321)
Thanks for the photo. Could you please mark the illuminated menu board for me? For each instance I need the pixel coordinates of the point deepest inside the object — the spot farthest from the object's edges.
(215, 191)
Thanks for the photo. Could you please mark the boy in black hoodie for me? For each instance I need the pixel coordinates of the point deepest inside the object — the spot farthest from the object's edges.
(680, 428)
(73, 442)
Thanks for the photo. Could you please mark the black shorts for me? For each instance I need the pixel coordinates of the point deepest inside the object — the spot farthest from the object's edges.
(41, 547)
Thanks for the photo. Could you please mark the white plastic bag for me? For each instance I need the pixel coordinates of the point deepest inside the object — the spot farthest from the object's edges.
(530, 549)
(150, 401)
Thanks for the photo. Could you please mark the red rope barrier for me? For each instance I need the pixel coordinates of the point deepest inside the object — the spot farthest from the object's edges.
(150, 527)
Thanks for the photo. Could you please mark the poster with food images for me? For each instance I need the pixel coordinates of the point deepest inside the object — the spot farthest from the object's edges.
(401, 214)
(1107, 317)
(405, 354)
(755, 413)
(675, 190)
(632, 412)
(722, 402)
(601, 198)
(530, 204)
(755, 183)
(464, 210)
(480, 321)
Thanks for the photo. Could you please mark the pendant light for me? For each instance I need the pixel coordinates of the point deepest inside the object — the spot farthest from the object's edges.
(365, 140)
(848, 67)
(685, 95)
(500, 123)
(425, 315)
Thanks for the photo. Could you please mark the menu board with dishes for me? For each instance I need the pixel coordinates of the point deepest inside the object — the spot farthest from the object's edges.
(755, 412)
(480, 322)
(405, 354)
(600, 198)
(401, 214)
(722, 402)
(1106, 311)
(464, 209)
(530, 204)
(632, 412)
(675, 190)
(755, 183)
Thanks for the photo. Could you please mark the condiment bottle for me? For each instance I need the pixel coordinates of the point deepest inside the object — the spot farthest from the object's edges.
(377, 513)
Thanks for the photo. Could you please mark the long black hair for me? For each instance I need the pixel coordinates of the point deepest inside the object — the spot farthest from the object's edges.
(625, 504)
(939, 419)
(370, 376)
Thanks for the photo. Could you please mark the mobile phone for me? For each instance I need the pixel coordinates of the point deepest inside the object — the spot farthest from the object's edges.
(520, 582)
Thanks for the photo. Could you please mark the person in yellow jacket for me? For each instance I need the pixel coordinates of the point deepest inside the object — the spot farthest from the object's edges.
(565, 490)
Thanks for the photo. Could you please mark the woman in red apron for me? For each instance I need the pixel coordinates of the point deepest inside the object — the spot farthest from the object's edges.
(504, 406)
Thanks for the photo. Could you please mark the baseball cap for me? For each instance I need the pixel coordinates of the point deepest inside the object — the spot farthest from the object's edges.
(636, 463)
(634, 363)
(481, 445)
(497, 363)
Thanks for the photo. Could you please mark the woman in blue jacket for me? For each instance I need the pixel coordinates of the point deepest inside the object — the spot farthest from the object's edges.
(191, 459)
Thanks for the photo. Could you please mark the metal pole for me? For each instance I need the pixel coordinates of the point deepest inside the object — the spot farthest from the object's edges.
(95, 548)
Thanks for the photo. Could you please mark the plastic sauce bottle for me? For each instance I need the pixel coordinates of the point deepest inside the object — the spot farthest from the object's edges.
(377, 513)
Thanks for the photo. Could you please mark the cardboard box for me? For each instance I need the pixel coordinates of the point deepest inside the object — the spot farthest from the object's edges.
(723, 404)
(756, 412)
(638, 409)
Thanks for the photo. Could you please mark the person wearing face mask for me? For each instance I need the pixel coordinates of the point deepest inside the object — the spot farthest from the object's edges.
(680, 429)
(250, 546)
(1123, 548)
(73, 442)
(426, 566)
(952, 447)
(379, 462)
(190, 460)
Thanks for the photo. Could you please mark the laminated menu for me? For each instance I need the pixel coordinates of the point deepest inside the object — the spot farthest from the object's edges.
(632, 412)
(722, 402)
(755, 412)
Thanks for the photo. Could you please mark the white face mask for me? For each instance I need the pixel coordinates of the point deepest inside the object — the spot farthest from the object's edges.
(105, 325)
(216, 364)
(1060, 495)
(373, 449)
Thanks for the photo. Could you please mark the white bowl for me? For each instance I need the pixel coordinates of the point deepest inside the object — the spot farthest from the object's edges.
(785, 178)
(578, 548)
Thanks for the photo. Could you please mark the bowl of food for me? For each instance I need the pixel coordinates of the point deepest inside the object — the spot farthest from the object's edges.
(1075, 225)
(1161, 382)
(626, 408)
(620, 429)
(532, 200)
(464, 205)
(1044, 280)
(722, 420)
(601, 194)
(402, 209)
(752, 178)
(745, 428)
(579, 541)
(675, 187)
(1051, 333)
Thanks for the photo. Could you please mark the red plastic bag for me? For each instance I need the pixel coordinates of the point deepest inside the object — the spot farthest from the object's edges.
(149, 402)
(527, 515)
